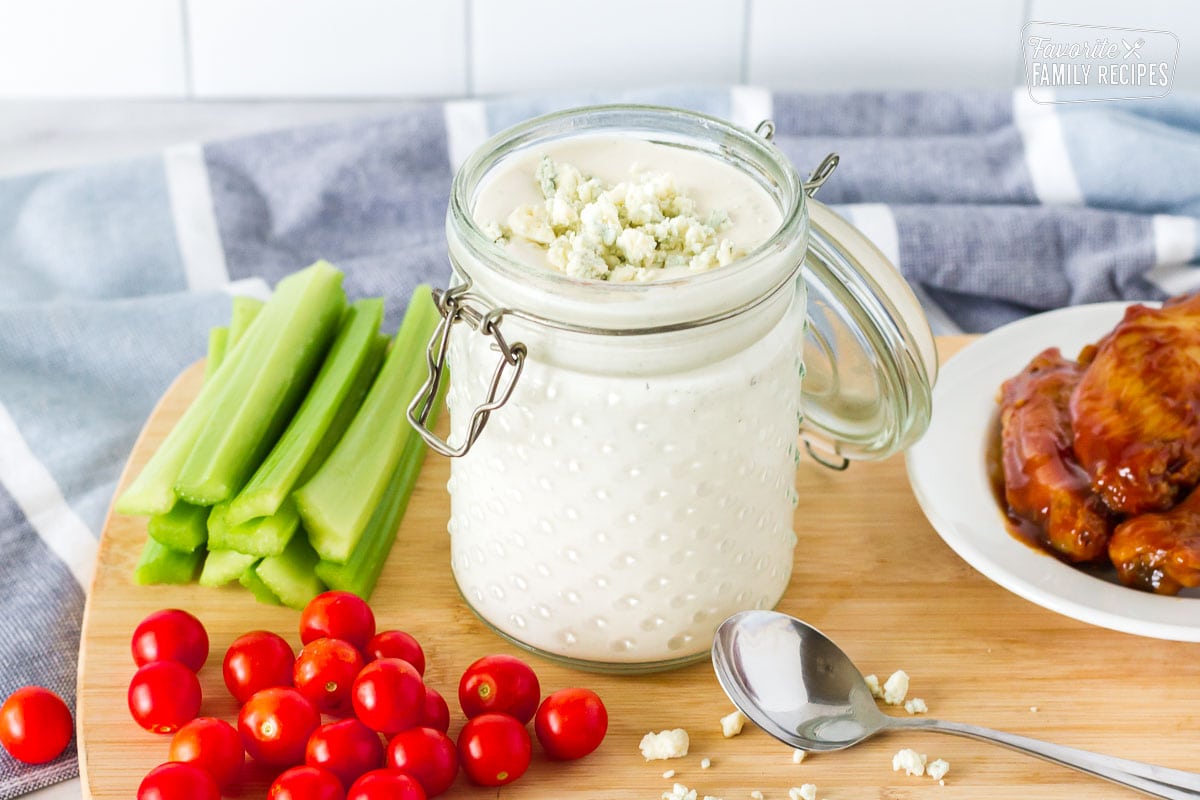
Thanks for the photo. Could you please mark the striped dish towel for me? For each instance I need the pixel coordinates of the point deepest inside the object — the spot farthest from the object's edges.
(110, 276)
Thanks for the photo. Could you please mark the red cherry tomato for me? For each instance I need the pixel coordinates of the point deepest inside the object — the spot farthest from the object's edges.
(494, 749)
(173, 781)
(571, 723)
(436, 713)
(499, 684)
(426, 754)
(306, 783)
(338, 615)
(389, 696)
(255, 661)
(164, 696)
(213, 745)
(170, 635)
(386, 784)
(347, 748)
(397, 644)
(275, 725)
(324, 673)
(35, 725)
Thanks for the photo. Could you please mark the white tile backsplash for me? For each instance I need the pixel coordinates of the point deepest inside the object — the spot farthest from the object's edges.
(859, 44)
(91, 48)
(327, 48)
(1181, 17)
(423, 48)
(520, 45)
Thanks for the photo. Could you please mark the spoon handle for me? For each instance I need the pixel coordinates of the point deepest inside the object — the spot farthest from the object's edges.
(1149, 778)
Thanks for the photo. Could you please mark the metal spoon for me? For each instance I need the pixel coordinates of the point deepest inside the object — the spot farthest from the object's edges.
(798, 686)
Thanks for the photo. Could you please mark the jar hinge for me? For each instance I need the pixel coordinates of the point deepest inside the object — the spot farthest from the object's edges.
(454, 305)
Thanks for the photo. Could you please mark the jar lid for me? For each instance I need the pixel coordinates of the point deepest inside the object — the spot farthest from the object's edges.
(869, 355)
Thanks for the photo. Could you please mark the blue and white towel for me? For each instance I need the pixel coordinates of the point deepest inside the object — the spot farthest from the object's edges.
(110, 276)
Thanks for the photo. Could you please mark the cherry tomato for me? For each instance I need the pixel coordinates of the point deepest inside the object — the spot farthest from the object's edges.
(170, 635)
(571, 723)
(338, 615)
(499, 684)
(389, 696)
(213, 745)
(306, 783)
(426, 754)
(35, 725)
(397, 644)
(494, 749)
(164, 696)
(386, 784)
(255, 661)
(347, 748)
(173, 781)
(436, 713)
(275, 725)
(324, 673)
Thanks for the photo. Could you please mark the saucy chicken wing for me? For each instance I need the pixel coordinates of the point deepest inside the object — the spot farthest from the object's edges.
(1160, 552)
(1136, 411)
(1043, 483)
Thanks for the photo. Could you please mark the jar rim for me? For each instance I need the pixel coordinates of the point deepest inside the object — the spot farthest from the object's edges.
(637, 119)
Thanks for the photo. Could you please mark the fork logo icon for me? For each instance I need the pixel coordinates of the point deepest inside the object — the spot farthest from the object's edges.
(1132, 49)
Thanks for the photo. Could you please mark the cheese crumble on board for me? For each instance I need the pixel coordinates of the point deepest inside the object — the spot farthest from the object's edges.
(664, 744)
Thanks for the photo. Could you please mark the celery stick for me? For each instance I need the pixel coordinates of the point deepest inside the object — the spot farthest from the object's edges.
(245, 309)
(279, 473)
(336, 504)
(349, 407)
(262, 593)
(183, 528)
(160, 564)
(261, 536)
(290, 574)
(218, 341)
(224, 566)
(153, 490)
(259, 398)
(360, 573)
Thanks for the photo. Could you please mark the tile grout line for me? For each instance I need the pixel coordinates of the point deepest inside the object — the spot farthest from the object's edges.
(185, 23)
(468, 55)
(744, 66)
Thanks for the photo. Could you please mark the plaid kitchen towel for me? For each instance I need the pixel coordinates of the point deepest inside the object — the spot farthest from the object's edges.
(992, 206)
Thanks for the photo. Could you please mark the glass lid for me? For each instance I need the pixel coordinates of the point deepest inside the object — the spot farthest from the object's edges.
(869, 355)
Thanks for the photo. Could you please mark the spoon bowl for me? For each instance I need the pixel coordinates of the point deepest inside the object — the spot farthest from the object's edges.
(797, 685)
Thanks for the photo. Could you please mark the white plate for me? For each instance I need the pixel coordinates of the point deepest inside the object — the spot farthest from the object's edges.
(948, 472)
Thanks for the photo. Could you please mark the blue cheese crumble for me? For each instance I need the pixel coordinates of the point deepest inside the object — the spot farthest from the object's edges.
(631, 231)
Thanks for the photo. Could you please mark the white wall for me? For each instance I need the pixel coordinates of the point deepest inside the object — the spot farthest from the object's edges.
(210, 49)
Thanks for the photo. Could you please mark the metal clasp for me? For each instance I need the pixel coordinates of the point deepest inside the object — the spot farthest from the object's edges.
(455, 305)
(766, 129)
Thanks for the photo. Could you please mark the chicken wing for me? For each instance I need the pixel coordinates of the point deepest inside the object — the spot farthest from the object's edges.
(1160, 552)
(1043, 483)
(1136, 411)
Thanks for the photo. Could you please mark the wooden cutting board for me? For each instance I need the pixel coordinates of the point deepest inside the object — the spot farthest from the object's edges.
(869, 571)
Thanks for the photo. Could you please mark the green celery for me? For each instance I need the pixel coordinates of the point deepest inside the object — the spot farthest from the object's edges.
(218, 341)
(290, 575)
(337, 503)
(224, 566)
(261, 536)
(262, 593)
(245, 309)
(153, 490)
(160, 564)
(361, 572)
(183, 528)
(257, 402)
(279, 473)
(349, 407)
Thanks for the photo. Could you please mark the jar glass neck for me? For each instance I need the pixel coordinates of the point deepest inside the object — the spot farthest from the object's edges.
(561, 300)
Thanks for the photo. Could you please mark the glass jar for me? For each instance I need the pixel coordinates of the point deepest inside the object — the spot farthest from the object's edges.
(635, 484)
